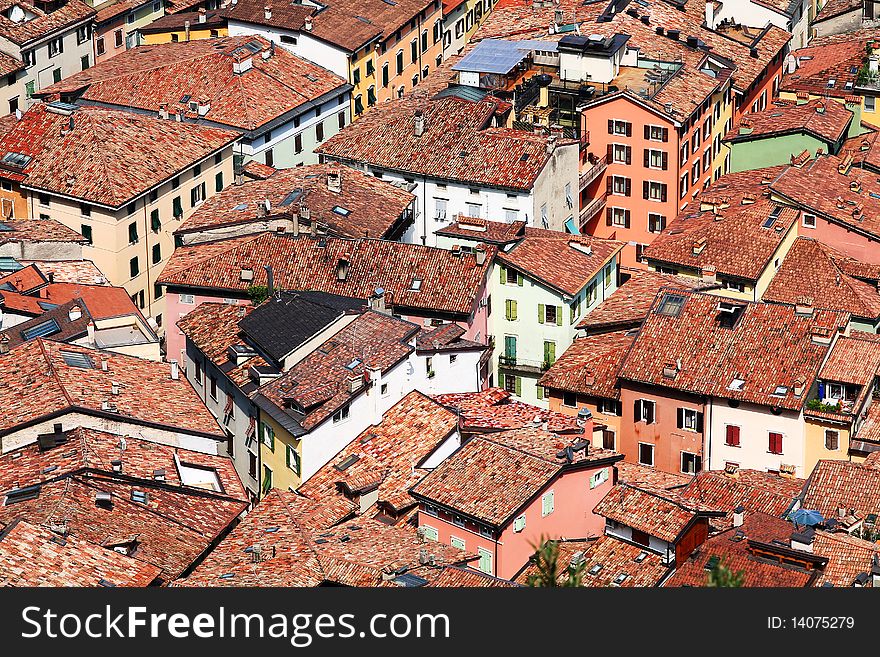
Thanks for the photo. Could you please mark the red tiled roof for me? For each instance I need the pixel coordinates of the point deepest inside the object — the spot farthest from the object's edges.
(734, 240)
(446, 337)
(483, 230)
(373, 206)
(630, 303)
(735, 552)
(298, 547)
(111, 10)
(852, 360)
(149, 76)
(815, 271)
(826, 59)
(388, 455)
(147, 394)
(43, 23)
(770, 345)
(465, 577)
(608, 558)
(869, 431)
(643, 476)
(37, 230)
(754, 490)
(820, 187)
(20, 303)
(492, 476)
(662, 514)
(450, 283)
(848, 557)
(174, 22)
(70, 271)
(110, 156)
(819, 118)
(854, 486)
(24, 281)
(318, 385)
(494, 410)
(566, 264)
(34, 556)
(589, 366)
(456, 143)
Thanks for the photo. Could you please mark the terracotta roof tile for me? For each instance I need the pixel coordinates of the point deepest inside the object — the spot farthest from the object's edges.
(43, 23)
(450, 283)
(494, 410)
(589, 366)
(387, 455)
(34, 556)
(852, 360)
(110, 156)
(644, 476)
(37, 230)
(372, 207)
(769, 346)
(848, 557)
(70, 271)
(483, 230)
(819, 118)
(148, 76)
(854, 486)
(825, 60)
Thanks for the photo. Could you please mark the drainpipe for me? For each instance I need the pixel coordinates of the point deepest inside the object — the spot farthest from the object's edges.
(707, 435)
(424, 211)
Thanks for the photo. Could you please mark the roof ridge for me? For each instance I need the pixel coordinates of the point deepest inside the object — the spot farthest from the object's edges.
(53, 373)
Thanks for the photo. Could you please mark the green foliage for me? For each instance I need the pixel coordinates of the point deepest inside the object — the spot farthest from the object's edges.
(866, 76)
(550, 572)
(818, 405)
(258, 294)
(720, 576)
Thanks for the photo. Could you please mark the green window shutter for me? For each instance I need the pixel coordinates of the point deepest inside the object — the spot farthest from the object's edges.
(178, 207)
(485, 560)
(540, 313)
(519, 280)
(549, 352)
(503, 270)
(547, 503)
(573, 313)
(513, 310)
(287, 456)
(507, 303)
(155, 223)
(218, 182)
(500, 380)
(430, 533)
(519, 386)
(456, 542)
(558, 315)
(519, 523)
(540, 390)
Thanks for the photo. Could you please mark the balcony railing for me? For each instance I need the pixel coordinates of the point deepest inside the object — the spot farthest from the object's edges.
(591, 209)
(523, 364)
(593, 172)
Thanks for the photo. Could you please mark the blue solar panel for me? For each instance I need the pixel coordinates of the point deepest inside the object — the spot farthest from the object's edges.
(77, 359)
(500, 56)
(290, 198)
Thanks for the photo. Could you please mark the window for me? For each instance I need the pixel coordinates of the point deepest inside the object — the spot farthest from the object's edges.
(399, 62)
(457, 542)
(414, 51)
(133, 267)
(118, 38)
(656, 133)
(620, 185)
(341, 415)
(175, 182)
(775, 440)
(213, 387)
(197, 169)
(269, 156)
(158, 291)
(252, 465)
(267, 478)
(519, 523)
(29, 89)
(646, 454)
(691, 463)
(356, 76)
(671, 305)
(86, 231)
(132, 233)
(644, 411)
(292, 459)
(84, 62)
(177, 207)
(29, 57)
(371, 96)
(731, 435)
(56, 46)
(655, 159)
(608, 439)
(620, 153)
(618, 217)
(617, 127)
(654, 191)
(44, 200)
(473, 209)
(609, 407)
(598, 478)
(569, 399)
(384, 75)
(549, 314)
(809, 221)
(547, 503)
(549, 353)
(157, 254)
(870, 103)
(690, 420)
(485, 564)
(656, 222)
(197, 193)
(707, 128)
(440, 209)
(267, 436)
(510, 310)
(832, 439)
(512, 277)
(187, 299)
(218, 182)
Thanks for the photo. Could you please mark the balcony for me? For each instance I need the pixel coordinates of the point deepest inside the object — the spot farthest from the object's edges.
(593, 172)
(522, 364)
(591, 209)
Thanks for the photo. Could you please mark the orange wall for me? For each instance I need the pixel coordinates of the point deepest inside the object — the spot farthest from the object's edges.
(19, 201)
(849, 242)
(410, 68)
(668, 440)
(612, 422)
(774, 70)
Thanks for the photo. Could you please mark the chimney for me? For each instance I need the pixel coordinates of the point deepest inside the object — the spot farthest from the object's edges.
(270, 279)
(804, 306)
(116, 464)
(186, 30)
(802, 98)
(104, 363)
(375, 374)
(419, 123)
(710, 274)
(334, 179)
(90, 330)
(175, 370)
(342, 266)
(710, 14)
(75, 313)
(246, 276)
(4, 344)
(820, 108)
(163, 110)
(875, 572)
(589, 378)
(242, 65)
(700, 245)
(799, 387)
(304, 213)
(551, 144)
(308, 24)
(480, 254)
(738, 516)
(803, 540)
(114, 388)
(267, 12)
(203, 15)
(377, 301)
(204, 105)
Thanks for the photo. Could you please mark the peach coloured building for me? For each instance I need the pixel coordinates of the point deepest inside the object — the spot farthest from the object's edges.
(502, 493)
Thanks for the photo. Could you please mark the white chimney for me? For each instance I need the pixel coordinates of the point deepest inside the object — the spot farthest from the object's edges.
(163, 110)
(738, 516)
(308, 24)
(175, 370)
(114, 388)
(240, 66)
(803, 540)
(334, 179)
(204, 105)
(104, 363)
(480, 254)
(203, 15)
(186, 30)
(710, 13)
(267, 11)
(419, 123)
(75, 313)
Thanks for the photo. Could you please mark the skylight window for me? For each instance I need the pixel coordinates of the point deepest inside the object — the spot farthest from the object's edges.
(595, 569)
(416, 285)
(831, 83)
(16, 159)
(347, 463)
(737, 384)
(354, 363)
(22, 494)
(240, 206)
(76, 359)
(671, 305)
(780, 391)
(45, 305)
(620, 579)
(292, 196)
(41, 330)
(338, 209)
(642, 556)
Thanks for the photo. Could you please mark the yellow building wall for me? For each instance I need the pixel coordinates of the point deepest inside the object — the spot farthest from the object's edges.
(814, 450)
(194, 35)
(273, 455)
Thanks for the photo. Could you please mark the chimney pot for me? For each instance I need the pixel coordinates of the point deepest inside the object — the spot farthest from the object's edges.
(175, 370)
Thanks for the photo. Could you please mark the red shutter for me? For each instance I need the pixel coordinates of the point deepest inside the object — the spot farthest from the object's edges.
(610, 126)
(629, 129)
(610, 153)
(645, 189)
(628, 153)
(647, 132)
(626, 218)
(665, 164)
(609, 184)
(627, 187)
(608, 220)
(680, 419)
(732, 436)
(647, 158)
(775, 443)
(663, 192)
(665, 134)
